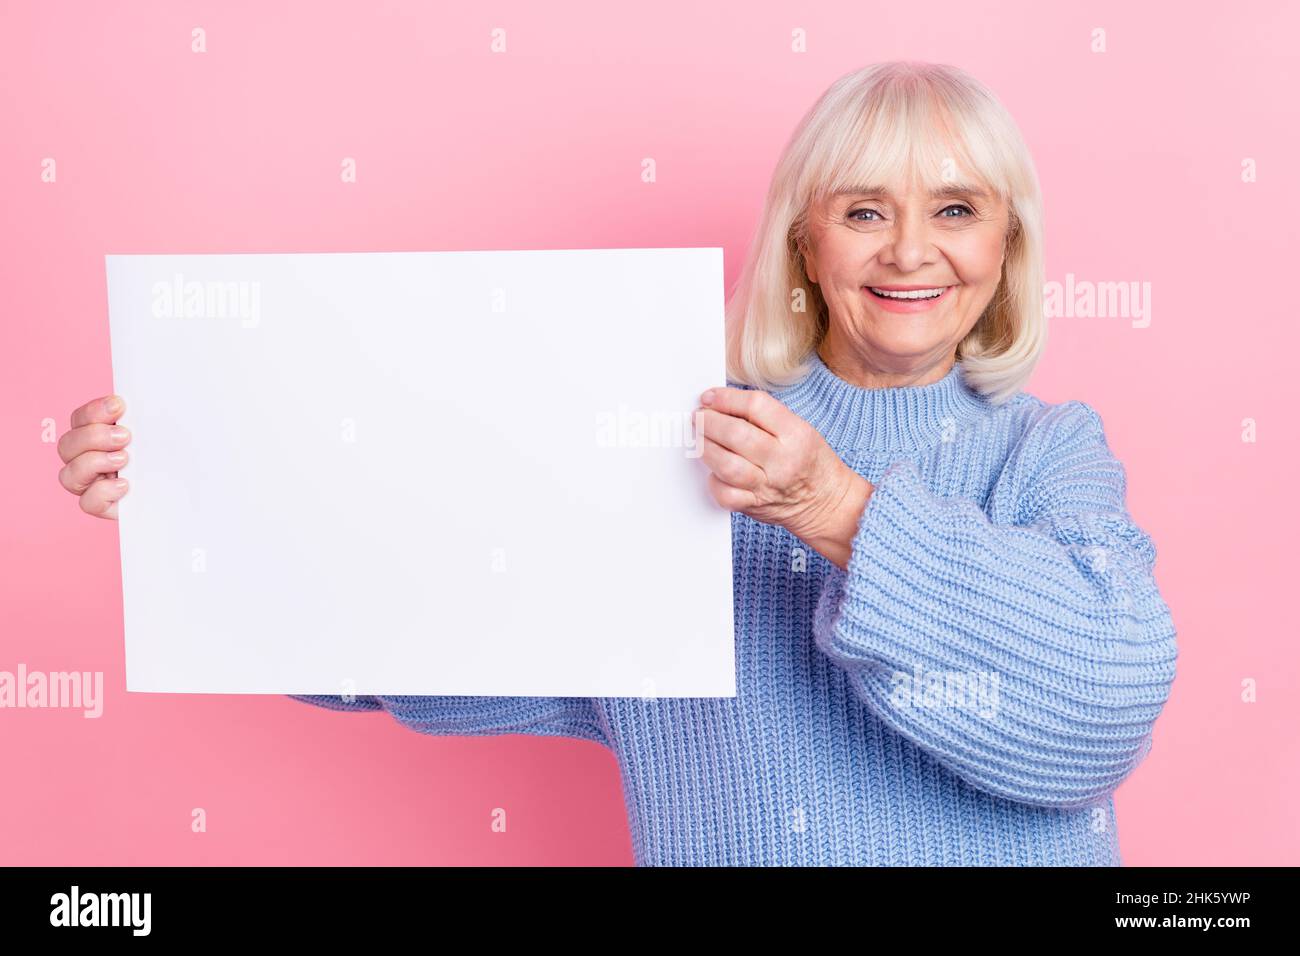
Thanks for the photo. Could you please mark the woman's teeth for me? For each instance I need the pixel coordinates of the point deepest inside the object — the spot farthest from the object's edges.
(915, 294)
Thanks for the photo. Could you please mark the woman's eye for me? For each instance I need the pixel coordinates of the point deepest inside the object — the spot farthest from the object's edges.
(859, 215)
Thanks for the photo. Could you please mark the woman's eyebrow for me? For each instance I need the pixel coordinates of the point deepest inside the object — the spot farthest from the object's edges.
(945, 192)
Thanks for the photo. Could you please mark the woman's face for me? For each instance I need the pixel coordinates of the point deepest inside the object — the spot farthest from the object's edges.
(904, 240)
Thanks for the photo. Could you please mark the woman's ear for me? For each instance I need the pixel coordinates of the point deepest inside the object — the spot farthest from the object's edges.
(809, 266)
(1012, 233)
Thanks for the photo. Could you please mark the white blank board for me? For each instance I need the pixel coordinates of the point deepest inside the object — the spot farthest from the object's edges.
(468, 473)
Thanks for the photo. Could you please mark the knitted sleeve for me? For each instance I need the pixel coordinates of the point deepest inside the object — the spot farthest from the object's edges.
(480, 716)
(1029, 657)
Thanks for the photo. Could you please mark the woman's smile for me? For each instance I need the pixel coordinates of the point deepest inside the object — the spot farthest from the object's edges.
(895, 298)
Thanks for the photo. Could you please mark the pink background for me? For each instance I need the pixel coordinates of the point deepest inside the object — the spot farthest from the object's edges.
(238, 149)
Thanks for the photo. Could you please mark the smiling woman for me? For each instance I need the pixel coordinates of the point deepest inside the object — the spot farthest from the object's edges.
(966, 534)
(924, 255)
(910, 179)
(950, 647)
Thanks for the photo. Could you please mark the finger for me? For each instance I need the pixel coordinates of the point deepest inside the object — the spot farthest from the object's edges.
(730, 467)
(101, 498)
(107, 409)
(88, 467)
(737, 434)
(728, 496)
(95, 437)
(752, 405)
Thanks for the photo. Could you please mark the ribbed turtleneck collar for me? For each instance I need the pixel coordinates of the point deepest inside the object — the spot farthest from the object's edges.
(880, 419)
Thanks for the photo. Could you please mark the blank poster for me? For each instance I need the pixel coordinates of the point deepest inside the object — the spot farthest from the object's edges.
(469, 473)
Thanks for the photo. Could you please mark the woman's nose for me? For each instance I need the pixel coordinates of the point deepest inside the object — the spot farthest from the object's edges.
(908, 243)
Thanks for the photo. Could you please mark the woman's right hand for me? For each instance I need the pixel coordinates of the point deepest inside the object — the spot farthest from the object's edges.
(93, 450)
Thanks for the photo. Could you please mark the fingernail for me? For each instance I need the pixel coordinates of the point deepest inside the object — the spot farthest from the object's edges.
(118, 434)
(707, 398)
(120, 484)
(117, 457)
(112, 405)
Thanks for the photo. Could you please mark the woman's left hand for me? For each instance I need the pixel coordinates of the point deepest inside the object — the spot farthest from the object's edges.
(768, 463)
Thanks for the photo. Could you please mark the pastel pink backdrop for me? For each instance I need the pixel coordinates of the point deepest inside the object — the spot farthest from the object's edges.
(238, 149)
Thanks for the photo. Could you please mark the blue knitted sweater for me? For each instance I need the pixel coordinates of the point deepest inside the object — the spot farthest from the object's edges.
(970, 691)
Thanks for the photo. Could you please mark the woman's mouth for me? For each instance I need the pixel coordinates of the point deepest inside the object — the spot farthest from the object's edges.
(908, 299)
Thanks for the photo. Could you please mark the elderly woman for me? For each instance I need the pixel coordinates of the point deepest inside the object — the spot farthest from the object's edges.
(950, 646)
